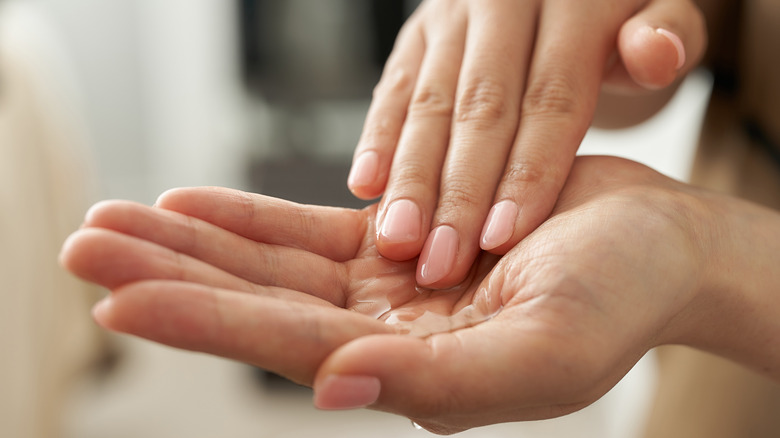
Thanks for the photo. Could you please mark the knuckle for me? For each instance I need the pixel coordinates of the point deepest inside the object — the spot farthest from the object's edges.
(460, 195)
(306, 220)
(554, 95)
(394, 81)
(247, 206)
(484, 100)
(414, 177)
(525, 172)
(379, 132)
(431, 101)
(265, 259)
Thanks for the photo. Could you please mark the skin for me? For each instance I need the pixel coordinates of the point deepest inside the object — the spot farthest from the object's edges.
(485, 103)
(628, 260)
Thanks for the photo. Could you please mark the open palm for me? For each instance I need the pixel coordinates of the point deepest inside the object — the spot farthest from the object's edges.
(301, 290)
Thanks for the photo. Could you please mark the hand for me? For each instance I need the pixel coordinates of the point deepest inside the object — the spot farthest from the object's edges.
(482, 106)
(297, 290)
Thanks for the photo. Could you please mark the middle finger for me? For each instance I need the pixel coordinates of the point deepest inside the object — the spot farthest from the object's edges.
(406, 210)
(499, 44)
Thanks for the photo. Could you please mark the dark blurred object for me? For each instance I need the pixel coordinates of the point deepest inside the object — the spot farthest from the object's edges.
(388, 16)
(303, 50)
(313, 64)
(273, 382)
(306, 181)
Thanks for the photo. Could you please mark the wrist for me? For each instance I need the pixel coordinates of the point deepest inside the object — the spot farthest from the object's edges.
(734, 311)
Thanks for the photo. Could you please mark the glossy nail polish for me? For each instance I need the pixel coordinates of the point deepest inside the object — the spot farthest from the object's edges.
(678, 44)
(364, 170)
(438, 255)
(337, 392)
(402, 222)
(499, 225)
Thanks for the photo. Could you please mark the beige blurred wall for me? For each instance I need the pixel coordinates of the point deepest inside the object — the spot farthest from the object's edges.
(45, 333)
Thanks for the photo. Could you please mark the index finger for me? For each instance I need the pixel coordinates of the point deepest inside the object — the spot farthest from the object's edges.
(335, 233)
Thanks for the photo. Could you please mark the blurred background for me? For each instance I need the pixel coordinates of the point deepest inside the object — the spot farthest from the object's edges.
(127, 98)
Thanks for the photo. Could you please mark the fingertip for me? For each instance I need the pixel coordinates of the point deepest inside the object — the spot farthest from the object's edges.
(365, 193)
(104, 212)
(93, 212)
(102, 310)
(400, 230)
(438, 257)
(66, 250)
(499, 226)
(378, 369)
(522, 208)
(363, 175)
(413, 378)
(678, 45)
(652, 56)
(169, 197)
(81, 252)
(342, 392)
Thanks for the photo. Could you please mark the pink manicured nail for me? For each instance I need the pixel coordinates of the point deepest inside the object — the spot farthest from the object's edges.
(364, 170)
(678, 44)
(402, 222)
(346, 392)
(438, 255)
(500, 225)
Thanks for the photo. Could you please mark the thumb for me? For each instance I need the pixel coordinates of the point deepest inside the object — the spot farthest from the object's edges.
(658, 45)
(455, 381)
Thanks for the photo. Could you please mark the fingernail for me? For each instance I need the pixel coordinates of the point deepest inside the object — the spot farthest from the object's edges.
(500, 225)
(438, 255)
(402, 222)
(678, 44)
(346, 392)
(364, 170)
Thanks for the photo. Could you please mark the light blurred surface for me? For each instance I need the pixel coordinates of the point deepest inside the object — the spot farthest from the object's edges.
(45, 183)
(666, 142)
